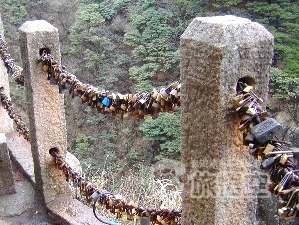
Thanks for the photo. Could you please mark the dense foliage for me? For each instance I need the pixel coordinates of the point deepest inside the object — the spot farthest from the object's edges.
(133, 45)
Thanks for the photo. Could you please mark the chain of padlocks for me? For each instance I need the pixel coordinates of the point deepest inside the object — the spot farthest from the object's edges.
(16, 73)
(20, 124)
(141, 105)
(258, 133)
(12, 69)
(257, 127)
(114, 203)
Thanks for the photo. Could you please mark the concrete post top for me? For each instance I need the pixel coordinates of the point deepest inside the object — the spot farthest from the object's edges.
(37, 26)
(227, 19)
(224, 29)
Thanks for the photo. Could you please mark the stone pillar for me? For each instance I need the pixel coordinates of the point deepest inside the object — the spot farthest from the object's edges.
(7, 183)
(48, 127)
(45, 109)
(221, 178)
(6, 124)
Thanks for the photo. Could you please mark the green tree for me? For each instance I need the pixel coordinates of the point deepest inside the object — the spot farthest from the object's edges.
(92, 51)
(286, 89)
(224, 6)
(165, 130)
(14, 10)
(282, 19)
(152, 50)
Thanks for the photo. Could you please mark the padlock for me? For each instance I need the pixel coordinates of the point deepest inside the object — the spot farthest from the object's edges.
(283, 212)
(248, 139)
(248, 88)
(291, 202)
(283, 159)
(294, 152)
(285, 182)
(263, 131)
(269, 148)
(145, 220)
(268, 163)
(95, 195)
(106, 102)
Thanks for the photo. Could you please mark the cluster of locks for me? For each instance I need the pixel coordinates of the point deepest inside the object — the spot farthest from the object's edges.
(141, 105)
(20, 124)
(258, 133)
(257, 127)
(12, 69)
(16, 74)
(115, 204)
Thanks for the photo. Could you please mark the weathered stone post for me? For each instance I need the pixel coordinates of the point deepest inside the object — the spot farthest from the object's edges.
(221, 182)
(45, 108)
(48, 126)
(6, 125)
(7, 183)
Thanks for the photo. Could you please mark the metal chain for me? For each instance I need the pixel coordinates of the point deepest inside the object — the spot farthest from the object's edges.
(110, 103)
(254, 124)
(12, 69)
(258, 132)
(21, 125)
(142, 105)
(117, 206)
(16, 74)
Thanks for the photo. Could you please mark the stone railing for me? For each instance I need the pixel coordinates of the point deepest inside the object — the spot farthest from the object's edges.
(220, 178)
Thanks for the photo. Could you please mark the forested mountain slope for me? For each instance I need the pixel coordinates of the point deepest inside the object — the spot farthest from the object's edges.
(133, 45)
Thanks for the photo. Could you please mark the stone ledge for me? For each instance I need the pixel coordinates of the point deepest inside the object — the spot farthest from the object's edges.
(16, 204)
(7, 183)
(20, 154)
(68, 211)
(62, 210)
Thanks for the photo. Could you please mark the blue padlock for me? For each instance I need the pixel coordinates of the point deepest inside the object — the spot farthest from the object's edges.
(106, 102)
(114, 223)
(263, 131)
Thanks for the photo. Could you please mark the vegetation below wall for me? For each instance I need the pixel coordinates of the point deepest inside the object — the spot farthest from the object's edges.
(133, 45)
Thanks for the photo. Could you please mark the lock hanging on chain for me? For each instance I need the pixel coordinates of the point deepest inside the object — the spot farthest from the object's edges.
(263, 131)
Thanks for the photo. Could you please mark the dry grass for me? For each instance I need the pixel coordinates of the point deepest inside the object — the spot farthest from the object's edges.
(140, 187)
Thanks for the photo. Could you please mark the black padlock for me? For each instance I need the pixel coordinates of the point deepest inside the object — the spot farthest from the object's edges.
(267, 163)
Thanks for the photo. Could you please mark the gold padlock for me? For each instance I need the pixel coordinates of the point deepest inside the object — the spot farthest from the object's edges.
(248, 88)
(112, 108)
(269, 148)
(251, 111)
(158, 98)
(148, 117)
(237, 99)
(283, 159)
(123, 107)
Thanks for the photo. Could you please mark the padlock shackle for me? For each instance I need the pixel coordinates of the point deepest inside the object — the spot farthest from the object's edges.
(279, 152)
